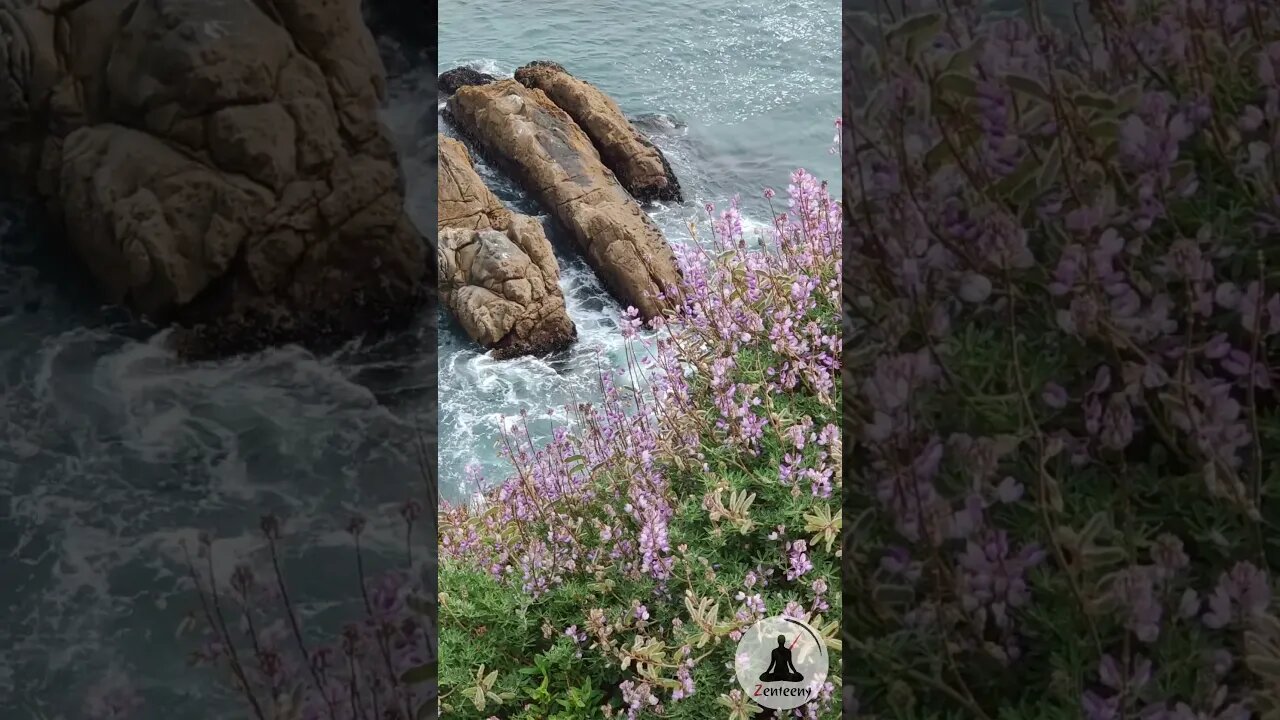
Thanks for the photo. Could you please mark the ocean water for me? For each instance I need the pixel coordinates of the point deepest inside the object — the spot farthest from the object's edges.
(113, 455)
(737, 94)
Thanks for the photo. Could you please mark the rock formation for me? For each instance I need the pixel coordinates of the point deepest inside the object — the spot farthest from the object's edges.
(450, 80)
(465, 201)
(498, 273)
(639, 165)
(220, 164)
(540, 146)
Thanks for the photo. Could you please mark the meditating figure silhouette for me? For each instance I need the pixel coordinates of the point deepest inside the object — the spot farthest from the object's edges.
(780, 667)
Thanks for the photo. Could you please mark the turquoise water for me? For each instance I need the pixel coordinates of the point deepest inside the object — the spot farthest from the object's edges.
(737, 94)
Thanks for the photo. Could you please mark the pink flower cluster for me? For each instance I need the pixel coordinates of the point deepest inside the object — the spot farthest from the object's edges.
(713, 382)
(1063, 325)
(533, 528)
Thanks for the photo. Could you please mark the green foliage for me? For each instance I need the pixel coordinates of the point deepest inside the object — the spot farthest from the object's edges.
(542, 674)
(549, 585)
(1062, 276)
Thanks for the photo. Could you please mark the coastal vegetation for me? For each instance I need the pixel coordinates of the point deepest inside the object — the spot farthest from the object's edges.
(613, 571)
(1061, 279)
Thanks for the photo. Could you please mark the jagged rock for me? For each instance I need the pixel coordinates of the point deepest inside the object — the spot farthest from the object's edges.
(217, 164)
(503, 287)
(654, 123)
(465, 201)
(640, 166)
(450, 80)
(498, 273)
(540, 146)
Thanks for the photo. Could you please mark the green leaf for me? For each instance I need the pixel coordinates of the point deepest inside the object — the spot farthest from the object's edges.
(1069, 82)
(962, 60)
(541, 692)
(941, 154)
(1026, 86)
(1108, 555)
(1097, 527)
(1128, 98)
(958, 83)
(938, 156)
(1024, 194)
(1054, 493)
(1094, 100)
(915, 28)
(877, 100)
(1267, 667)
(575, 463)
(1104, 129)
(1016, 179)
(1181, 171)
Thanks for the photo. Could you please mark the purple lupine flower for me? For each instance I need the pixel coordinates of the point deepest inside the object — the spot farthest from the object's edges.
(798, 562)
(1241, 594)
(1134, 590)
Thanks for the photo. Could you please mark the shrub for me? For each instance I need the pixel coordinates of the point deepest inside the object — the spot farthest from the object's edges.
(612, 572)
(1060, 268)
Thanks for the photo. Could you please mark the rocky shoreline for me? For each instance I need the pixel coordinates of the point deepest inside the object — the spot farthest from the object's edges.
(219, 166)
(640, 166)
(498, 274)
(569, 146)
(222, 168)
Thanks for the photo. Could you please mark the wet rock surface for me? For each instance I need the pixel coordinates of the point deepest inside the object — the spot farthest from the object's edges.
(639, 165)
(498, 272)
(450, 81)
(541, 146)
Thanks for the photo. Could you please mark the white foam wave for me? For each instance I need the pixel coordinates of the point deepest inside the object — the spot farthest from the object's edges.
(478, 394)
(127, 455)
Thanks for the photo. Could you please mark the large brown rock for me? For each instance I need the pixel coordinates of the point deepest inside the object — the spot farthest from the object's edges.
(503, 287)
(639, 164)
(465, 201)
(540, 146)
(221, 164)
(498, 273)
